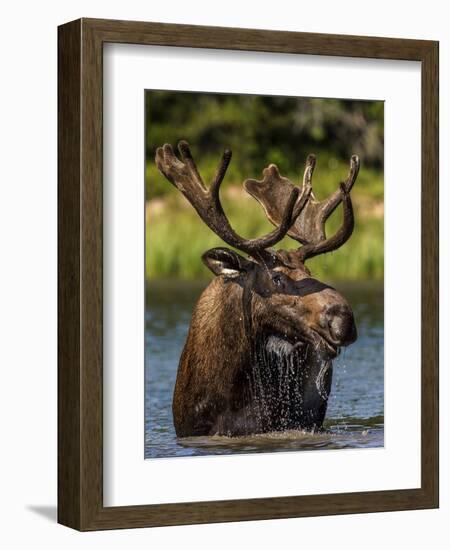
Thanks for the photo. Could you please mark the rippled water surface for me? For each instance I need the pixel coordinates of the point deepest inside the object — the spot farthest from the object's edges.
(355, 415)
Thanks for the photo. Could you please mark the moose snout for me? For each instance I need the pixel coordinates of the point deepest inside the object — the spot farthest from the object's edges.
(340, 323)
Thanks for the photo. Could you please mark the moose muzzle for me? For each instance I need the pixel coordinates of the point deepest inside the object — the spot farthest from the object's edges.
(340, 323)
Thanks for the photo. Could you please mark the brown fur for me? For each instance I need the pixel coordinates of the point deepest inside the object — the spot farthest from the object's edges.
(212, 388)
(208, 368)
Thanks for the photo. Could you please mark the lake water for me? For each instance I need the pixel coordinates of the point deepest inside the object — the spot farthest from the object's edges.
(355, 414)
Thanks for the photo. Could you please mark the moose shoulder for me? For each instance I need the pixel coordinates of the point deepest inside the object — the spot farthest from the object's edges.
(258, 356)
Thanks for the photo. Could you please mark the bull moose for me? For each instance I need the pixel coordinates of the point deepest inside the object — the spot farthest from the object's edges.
(258, 355)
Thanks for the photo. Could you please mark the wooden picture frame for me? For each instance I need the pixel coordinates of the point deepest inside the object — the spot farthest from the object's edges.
(80, 272)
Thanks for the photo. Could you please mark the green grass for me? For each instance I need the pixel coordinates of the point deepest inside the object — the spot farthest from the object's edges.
(176, 237)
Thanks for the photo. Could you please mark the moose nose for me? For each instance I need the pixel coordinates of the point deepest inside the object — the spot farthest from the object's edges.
(341, 324)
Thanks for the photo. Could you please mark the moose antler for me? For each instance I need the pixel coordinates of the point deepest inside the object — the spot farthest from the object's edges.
(185, 176)
(308, 227)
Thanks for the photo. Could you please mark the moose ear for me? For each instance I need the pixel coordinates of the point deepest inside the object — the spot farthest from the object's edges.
(223, 261)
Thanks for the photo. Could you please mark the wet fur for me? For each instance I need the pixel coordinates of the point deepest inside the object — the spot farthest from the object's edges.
(229, 383)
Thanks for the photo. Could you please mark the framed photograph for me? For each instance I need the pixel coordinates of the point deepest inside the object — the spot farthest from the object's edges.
(248, 274)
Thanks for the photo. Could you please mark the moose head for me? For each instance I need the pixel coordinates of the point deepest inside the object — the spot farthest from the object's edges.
(263, 333)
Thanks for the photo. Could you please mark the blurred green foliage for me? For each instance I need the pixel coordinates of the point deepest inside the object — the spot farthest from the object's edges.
(261, 130)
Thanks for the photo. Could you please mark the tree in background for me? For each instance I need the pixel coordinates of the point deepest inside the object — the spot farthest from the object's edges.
(264, 129)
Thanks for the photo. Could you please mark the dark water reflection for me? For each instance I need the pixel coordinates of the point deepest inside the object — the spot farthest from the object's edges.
(355, 416)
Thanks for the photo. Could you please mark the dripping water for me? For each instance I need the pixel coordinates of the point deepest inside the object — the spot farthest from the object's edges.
(278, 381)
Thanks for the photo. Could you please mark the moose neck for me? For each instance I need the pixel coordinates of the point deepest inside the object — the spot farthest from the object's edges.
(218, 321)
(247, 317)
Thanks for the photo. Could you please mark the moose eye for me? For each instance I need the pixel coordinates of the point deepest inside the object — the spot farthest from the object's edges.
(277, 280)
